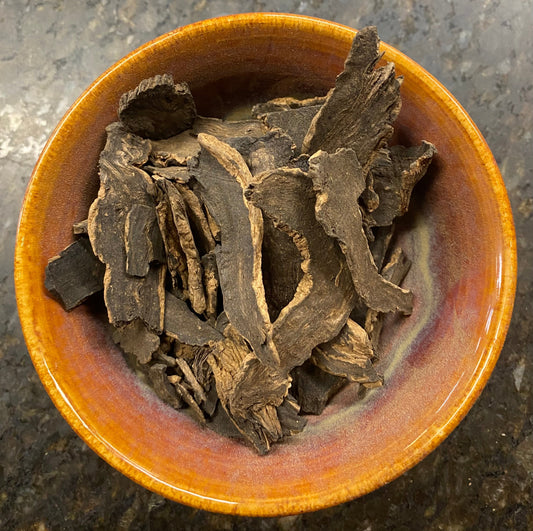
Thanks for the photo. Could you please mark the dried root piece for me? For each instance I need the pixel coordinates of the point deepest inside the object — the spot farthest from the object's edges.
(249, 391)
(280, 258)
(75, 274)
(361, 108)
(286, 104)
(142, 238)
(199, 393)
(394, 271)
(157, 374)
(175, 257)
(197, 219)
(157, 108)
(325, 295)
(349, 355)
(314, 387)
(394, 179)
(137, 339)
(338, 180)
(124, 186)
(223, 175)
(226, 129)
(182, 324)
(188, 245)
(290, 420)
(186, 396)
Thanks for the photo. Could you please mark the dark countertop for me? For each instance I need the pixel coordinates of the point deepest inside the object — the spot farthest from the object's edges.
(481, 477)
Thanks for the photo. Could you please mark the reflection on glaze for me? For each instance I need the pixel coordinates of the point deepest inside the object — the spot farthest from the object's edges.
(112, 449)
(424, 291)
(484, 358)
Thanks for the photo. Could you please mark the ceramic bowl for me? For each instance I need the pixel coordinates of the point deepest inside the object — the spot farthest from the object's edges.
(460, 238)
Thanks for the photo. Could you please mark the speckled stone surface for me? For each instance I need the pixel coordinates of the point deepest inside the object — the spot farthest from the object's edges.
(481, 477)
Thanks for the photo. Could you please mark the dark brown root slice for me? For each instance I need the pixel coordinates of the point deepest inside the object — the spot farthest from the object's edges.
(249, 391)
(223, 174)
(314, 388)
(360, 110)
(175, 257)
(290, 420)
(142, 239)
(182, 324)
(198, 391)
(157, 374)
(188, 245)
(394, 179)
(280, 258)
(122, 186)
(129, 298)
(325, 295)
(338, 180)
(157, 108)
(197, 219)
(186, 396)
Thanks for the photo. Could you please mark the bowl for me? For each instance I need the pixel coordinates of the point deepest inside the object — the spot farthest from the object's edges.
(460, 238)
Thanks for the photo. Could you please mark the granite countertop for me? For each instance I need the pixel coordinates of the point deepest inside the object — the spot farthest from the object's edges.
(481, 477)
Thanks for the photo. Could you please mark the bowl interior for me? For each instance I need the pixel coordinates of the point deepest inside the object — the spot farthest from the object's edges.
(460, 238)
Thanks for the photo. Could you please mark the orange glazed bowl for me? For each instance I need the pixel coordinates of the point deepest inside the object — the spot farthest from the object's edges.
(459, 236)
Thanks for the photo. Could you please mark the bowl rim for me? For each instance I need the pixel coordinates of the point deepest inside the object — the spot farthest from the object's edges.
(499, 323)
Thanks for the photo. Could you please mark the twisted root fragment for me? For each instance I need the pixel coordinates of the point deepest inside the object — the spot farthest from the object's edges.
(349, 355)
(157, 108)
(325, 296)
(338, 180)
(394, 176)
(249, 390)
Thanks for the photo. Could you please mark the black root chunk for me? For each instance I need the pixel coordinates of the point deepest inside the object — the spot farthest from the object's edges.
(74, 274)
